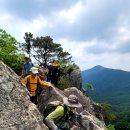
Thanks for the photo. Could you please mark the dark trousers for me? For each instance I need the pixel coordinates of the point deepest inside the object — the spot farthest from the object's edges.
(34, 99)
(54, 80)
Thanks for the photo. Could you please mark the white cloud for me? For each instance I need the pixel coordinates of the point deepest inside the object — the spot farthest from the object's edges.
(17, 27)
(110, 60)
(72, 14)
(34, 26)
(124, 34)
(87, 60)
(76, 49)
(88, 29)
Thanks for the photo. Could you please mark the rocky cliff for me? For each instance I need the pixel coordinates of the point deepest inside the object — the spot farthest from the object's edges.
(75, 78)
(91, 111)
(18, 113)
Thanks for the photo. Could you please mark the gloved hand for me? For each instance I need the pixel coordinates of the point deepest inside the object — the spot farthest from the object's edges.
(81, 114)
(50, 85)
(78, 115)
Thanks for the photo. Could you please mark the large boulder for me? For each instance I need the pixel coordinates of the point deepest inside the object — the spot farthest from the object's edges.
(16, 110)
(89, 121)
(87, 103)
(75, 78)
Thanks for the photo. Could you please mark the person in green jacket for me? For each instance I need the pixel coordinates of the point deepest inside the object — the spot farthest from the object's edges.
(72, 102)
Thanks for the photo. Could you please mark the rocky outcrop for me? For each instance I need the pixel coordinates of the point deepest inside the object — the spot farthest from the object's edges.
(75, 78)
(88, 105)
(16, 111)
(89, 119)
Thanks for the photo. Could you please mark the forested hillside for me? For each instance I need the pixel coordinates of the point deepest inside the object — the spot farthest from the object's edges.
(112, 86)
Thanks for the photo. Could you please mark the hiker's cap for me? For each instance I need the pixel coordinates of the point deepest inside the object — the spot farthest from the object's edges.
(72, 101)
(26, 57)
(34, 70)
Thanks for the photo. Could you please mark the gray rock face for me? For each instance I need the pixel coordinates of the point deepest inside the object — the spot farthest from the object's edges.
(16, 111)
(88, 105)
(75, 78)
(89, 120)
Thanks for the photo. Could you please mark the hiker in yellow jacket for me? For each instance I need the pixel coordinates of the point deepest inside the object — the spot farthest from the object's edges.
(31, 82)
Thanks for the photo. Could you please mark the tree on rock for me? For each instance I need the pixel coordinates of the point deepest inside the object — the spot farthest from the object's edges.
(28, 38)
(44, 50)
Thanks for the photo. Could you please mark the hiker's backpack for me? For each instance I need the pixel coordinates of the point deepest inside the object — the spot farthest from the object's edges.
(62, 123)
(39, 88)
(52, 106)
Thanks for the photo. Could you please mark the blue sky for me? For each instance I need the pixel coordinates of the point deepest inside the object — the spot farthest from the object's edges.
(95, 32)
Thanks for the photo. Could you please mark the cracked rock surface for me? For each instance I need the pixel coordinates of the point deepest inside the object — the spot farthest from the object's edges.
(16, 110)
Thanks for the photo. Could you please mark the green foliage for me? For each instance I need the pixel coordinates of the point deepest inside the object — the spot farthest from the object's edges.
(106, 112)
(43, 49)
(90, 86)
(62, 66)
(64, 56)
(70, 67)
(124, 125)
(17, 64)
(110, 127)
(112, 86)
(9, 50)
(106, 106)
(66, 67)
(7, 45)
(28, 38)
(63, 83)
(122, 121)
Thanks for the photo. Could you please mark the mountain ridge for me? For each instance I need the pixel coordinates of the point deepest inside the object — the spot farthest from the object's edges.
(111, 85)
(102, 67)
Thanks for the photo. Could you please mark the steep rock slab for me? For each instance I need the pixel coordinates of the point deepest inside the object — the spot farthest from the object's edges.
(16, 111)
(89, 120)
(75, 78)
(88, 104)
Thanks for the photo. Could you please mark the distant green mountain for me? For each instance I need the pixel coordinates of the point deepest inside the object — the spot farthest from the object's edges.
(110, 85)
